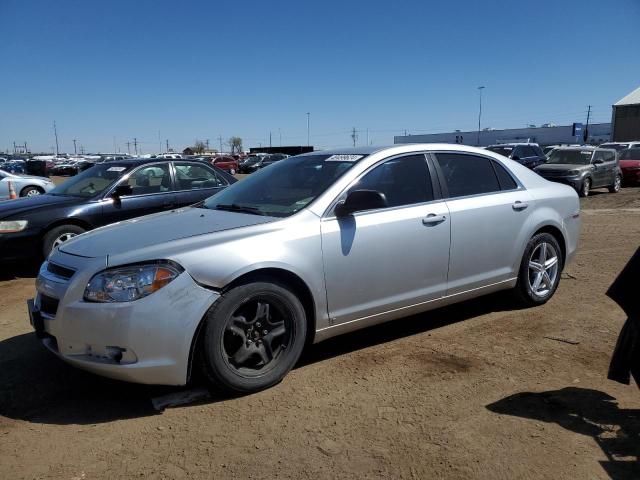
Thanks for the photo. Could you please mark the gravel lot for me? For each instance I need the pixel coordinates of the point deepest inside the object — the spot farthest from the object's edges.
(477, 390)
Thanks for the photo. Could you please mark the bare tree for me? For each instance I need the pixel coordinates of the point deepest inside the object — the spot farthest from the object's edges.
(199, 147)
(235, 143)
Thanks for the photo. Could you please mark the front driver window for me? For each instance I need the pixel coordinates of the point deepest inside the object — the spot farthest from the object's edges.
(403, 181)
(150, 179)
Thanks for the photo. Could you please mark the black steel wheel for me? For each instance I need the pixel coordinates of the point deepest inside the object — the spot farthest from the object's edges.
(253, 336)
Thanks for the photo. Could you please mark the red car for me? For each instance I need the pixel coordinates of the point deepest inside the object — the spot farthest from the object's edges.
(630, 165)
(226, 163)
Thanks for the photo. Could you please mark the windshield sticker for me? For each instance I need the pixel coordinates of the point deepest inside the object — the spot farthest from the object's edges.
(116, 169)
(344, 158)
(586, 152)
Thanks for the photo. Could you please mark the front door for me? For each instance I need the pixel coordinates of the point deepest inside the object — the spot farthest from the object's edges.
(151, 192)
(387, 259)
(604, 171)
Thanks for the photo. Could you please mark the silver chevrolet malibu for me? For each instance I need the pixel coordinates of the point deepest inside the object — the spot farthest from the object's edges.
(311, 247)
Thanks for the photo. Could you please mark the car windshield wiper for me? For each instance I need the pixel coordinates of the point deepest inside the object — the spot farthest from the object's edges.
(234, 207)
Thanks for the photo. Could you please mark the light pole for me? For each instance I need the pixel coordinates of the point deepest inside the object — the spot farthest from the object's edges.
(479, 114)
(308, 136)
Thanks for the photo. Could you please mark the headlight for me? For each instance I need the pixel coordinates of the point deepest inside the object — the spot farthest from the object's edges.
(573, 172)
(129, 283)
(12, 226)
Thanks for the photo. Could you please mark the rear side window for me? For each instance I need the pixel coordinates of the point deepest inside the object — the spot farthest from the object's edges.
(504, 179)
(467, 174)
(403, 181)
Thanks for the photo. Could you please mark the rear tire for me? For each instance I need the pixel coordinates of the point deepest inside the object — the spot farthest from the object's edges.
(252, 337)
(56, 236)
(617, 183)
(30, 191)
(232, 171)
(540, 269)
(585, 188)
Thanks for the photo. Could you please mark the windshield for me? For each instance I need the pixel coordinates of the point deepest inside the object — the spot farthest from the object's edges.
(92, 181)
(570, 157)
(630, 154)
(285, 187)
(506, 151)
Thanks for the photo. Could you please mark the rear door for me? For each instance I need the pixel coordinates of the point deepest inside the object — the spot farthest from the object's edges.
(604, 164)
(196, 181)
(391, 258)
(488, 210)
(152, 192)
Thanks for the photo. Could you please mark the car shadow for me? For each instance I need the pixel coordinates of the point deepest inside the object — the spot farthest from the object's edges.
(586, 412)
(39, 388)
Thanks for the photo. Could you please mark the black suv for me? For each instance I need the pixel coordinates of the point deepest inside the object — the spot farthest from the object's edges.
(583, 168)
(528, 154)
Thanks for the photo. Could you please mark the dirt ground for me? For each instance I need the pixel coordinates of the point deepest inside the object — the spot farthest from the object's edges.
(478, 390)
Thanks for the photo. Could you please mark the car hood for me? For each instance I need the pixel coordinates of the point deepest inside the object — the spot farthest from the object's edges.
(29, 177)
(25, 205)
(156, 229)
(560, 167)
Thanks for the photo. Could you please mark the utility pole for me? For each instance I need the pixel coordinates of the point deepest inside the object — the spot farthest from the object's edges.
(115, 147)
(75, 151)
(207, 144)
(367, 137)
(167, 145)
(135, 145)
(354, 136)
(220, 140)
(269, 138)
(14, 148)
(586, 129)
(25, 148)
(308, 128)
(479, 115)
(159, 143)
(55, 132)
(129, 148)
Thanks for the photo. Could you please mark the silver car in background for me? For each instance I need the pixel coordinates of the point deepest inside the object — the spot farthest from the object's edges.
(24, 185)
(312, 247)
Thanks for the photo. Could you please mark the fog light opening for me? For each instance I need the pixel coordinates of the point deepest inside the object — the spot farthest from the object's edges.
(115, 353)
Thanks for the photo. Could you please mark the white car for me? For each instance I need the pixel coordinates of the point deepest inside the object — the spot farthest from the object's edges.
(24, 185)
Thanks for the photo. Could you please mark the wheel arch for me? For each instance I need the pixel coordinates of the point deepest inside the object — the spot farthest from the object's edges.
(67, 221)
(282, 276)
(556, 233)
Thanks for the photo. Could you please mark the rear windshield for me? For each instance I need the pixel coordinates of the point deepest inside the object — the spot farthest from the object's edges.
(630, 154)
(506, 151)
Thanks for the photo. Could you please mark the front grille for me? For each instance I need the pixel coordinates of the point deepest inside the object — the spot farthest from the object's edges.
(60, 271)
(48, 305)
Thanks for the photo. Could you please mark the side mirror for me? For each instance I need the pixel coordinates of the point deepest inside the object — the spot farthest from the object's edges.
(360, 200)
(598, 161)
(122, 190)
(515, 157)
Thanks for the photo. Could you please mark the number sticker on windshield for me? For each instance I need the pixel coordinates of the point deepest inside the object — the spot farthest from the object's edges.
(343, 158)
(116, 169)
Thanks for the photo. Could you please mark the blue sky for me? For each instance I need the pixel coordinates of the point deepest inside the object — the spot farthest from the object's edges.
(198, 69)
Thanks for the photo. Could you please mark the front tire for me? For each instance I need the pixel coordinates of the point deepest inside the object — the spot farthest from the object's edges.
(253, 336)
(585, 188)
(540, 269)
(617, 183)
(232, 171)
(57, 236)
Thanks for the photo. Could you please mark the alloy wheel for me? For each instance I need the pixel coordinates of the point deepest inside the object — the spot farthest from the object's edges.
(543, 269)
(255, 337)
(33, 192)
(63, 238)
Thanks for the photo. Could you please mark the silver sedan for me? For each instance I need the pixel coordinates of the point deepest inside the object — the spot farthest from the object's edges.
(312, 247)
(23, 185)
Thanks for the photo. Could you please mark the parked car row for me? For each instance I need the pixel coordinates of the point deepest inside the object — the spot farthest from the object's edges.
(258, 161)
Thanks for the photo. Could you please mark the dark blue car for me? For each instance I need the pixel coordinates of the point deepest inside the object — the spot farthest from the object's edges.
(103, 194)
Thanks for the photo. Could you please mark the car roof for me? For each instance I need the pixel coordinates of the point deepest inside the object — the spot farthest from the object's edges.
(514, 144)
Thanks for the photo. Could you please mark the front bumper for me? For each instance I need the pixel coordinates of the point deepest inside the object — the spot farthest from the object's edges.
(575, 182)
(19, 244)
(145, 341)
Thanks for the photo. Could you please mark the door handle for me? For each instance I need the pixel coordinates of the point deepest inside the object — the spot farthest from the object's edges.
(433, 219)
(519, 206)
